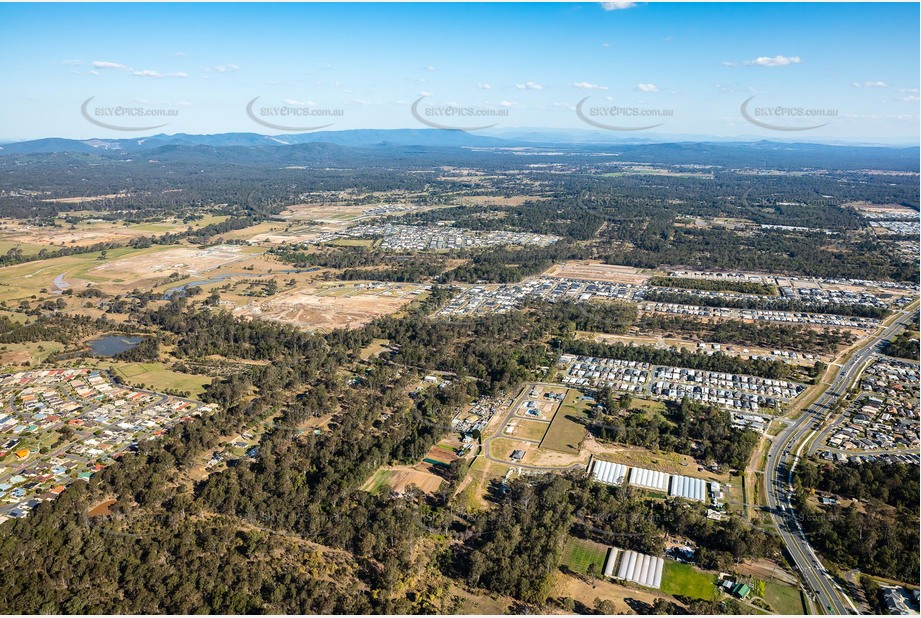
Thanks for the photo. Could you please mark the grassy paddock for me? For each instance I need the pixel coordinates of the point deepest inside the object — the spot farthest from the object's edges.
(565, 433)
(684, 579)
(578, 554)
(784, 599)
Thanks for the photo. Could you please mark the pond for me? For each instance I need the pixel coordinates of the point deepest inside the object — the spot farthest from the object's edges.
(110, 345)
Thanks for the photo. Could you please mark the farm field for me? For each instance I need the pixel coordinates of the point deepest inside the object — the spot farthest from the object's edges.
(578, 554)
(684, 579)
(399, 478)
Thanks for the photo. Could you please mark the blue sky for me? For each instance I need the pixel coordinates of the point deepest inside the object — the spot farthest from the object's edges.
(690, 65)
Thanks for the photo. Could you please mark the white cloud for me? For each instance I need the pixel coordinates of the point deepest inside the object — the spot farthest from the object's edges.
(775, 61)
(589, 86)
(616, 6)
(605, 44)
(508, 104)
(307, 103)
(563, 105)
(483, 86)
(869, 85)
(156, 74)
(425, 94)
(72, 62)
(529, 86)
(223, 68)
(647, 88)
(429, 68)
(105, 64)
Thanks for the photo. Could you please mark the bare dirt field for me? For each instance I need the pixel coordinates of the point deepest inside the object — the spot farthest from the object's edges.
(185, 261)
(399, 478)
(328, 307)
(495, 200)
(586, 593)
(596, 271)
(765, 569)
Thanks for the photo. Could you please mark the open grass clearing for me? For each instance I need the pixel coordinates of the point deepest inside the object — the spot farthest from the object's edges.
(567, 430)
(684, 579)
(787, 600)
(578, 554)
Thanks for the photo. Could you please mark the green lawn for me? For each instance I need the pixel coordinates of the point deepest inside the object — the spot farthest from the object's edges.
(155, 376)
(566, 432)
(678, 578)
(784, 599)
(579, 553)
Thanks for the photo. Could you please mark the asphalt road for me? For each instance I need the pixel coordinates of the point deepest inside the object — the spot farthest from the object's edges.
(782, 461)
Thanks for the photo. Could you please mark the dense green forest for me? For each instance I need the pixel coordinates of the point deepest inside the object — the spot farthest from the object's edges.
(687, 427)
(784, 336)
(880, 536)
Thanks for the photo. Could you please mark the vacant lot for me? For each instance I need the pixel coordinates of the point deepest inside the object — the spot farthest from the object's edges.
(157, 377)
(333, 306)
(684, 579)
(578, 554)
(584, 592)
(784, 599)
(596, 271)
(529, 430)
(566, 431)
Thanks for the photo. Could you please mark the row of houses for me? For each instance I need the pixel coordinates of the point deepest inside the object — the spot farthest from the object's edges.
(97, 418)
(764, 315)
(736, 392)
(886, 415)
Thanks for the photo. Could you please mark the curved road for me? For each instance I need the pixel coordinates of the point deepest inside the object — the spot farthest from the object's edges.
(782, 461)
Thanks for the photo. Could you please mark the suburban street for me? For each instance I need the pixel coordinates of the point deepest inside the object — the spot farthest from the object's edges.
(782, 460)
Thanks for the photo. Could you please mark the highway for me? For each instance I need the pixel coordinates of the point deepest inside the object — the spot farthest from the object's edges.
(782, 461)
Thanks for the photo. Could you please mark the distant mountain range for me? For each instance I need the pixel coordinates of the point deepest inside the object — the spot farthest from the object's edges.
(362, 138)
(363, 146)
